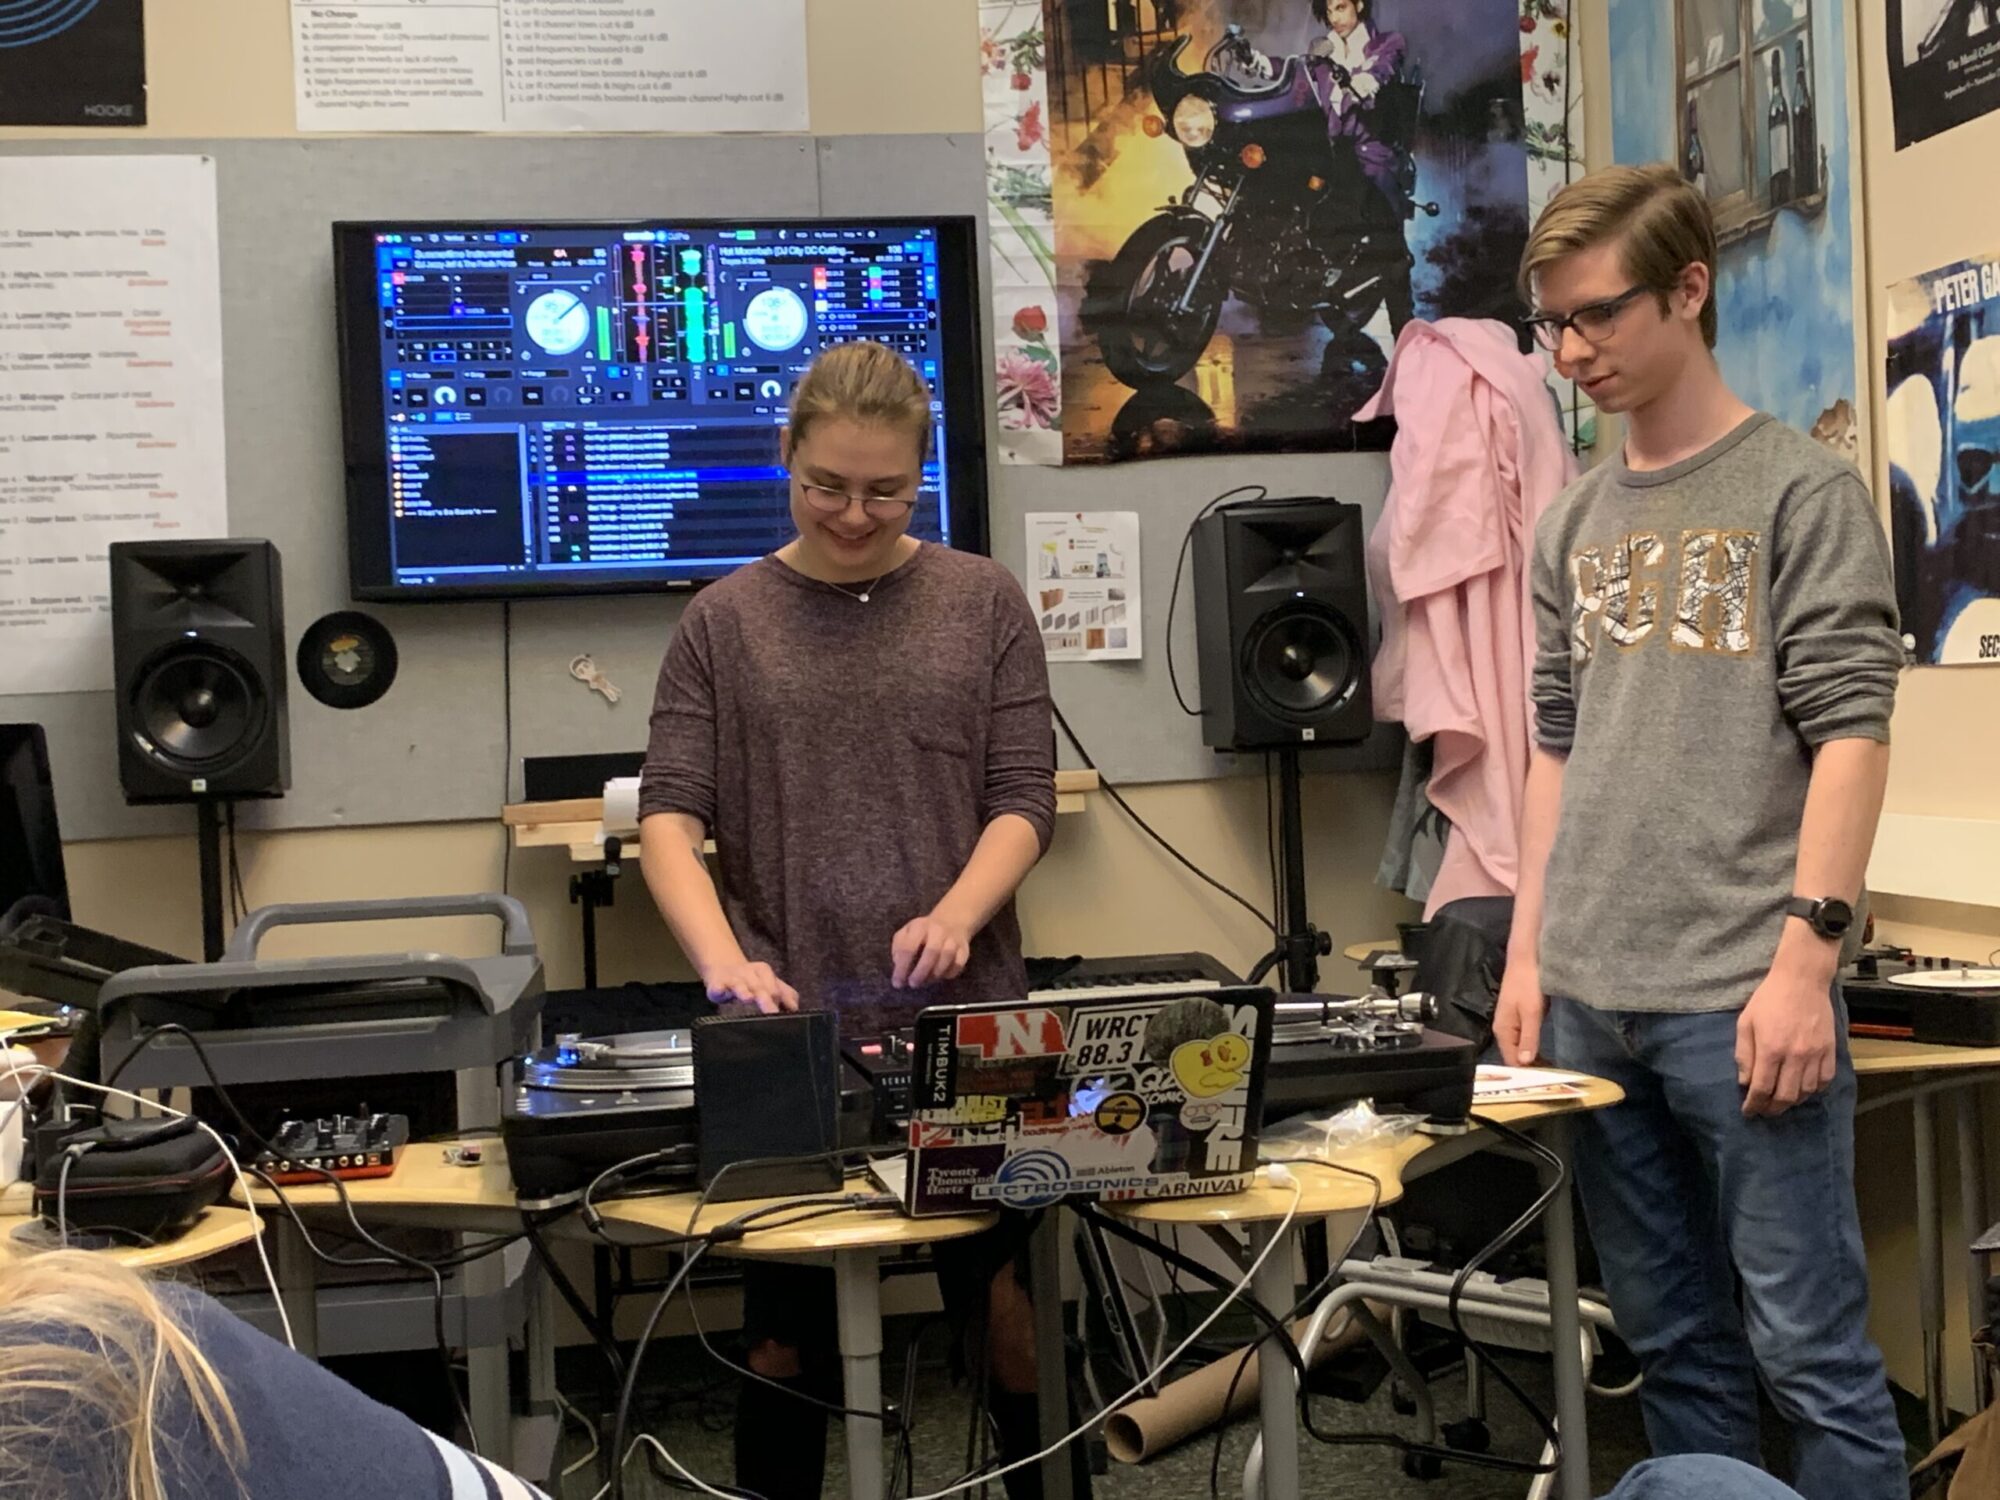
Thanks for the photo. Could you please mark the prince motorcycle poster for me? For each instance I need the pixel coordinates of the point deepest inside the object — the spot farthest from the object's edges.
(1251, 197)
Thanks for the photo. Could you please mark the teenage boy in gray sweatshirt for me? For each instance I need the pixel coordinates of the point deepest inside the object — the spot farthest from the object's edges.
(1716, 659)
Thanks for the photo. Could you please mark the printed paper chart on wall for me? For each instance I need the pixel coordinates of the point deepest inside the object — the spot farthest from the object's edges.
(1083, 581)
(110, 393)
(72, 62)
(548, 65)
(1944, 460)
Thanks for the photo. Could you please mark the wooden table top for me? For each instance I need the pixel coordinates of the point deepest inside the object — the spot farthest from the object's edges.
(1325, 1190)
(217, 1229)
(1358, 952)
(1873, 1056)
(425, 1182)
(422, 1179)
(426, 1185)
(667, 1216)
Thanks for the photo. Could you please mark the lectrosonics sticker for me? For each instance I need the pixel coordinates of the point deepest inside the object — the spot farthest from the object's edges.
(347, 659)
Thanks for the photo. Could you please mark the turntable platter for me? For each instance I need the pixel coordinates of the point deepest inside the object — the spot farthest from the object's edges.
(1967, 979)
(627, 1062)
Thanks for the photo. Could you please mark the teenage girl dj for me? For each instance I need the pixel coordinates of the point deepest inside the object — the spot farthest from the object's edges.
(861, 722)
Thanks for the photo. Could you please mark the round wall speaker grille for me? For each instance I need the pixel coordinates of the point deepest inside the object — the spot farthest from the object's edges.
(197, 707)
(1300, 661)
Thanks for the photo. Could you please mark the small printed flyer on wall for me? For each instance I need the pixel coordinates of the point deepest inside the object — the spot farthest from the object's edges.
(551, 65)
(1083, 581)
(110, 394)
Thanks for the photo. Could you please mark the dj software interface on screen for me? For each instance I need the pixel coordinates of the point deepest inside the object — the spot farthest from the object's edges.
(606, 403)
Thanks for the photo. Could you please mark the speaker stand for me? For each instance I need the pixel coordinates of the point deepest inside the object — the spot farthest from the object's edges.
(208, 839)
(1300, 945)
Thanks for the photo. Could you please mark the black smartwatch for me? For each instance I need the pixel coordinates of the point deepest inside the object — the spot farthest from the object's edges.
(1830, 917)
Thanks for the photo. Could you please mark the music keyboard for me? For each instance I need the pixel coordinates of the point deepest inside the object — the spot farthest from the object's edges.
(1134, 977)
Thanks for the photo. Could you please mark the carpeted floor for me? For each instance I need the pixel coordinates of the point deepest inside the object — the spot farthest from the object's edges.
(689, 1410)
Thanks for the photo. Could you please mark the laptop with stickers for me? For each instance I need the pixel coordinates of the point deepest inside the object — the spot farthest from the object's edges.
(1022, 1105)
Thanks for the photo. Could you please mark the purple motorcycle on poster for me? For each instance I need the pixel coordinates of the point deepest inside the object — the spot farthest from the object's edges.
(1304, 183)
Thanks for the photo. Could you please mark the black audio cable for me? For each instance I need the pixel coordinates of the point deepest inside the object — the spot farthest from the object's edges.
(434, 1269)
(702, 1242)
(1105, 785)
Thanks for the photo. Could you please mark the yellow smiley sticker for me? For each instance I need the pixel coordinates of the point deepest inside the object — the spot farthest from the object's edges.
(1211, 1067)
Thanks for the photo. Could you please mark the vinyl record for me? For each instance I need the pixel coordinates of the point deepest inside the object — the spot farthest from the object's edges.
(347, 659)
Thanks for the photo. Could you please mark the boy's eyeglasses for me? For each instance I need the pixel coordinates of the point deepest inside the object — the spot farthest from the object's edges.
(1594, 323)
(832, 502)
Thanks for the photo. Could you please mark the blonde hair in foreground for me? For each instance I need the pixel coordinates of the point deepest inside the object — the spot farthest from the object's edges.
(86, 1347)
(1663, 225)
(864, 382)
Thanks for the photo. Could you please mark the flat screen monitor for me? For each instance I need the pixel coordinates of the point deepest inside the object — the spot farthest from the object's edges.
(32, 880)
(576, 408)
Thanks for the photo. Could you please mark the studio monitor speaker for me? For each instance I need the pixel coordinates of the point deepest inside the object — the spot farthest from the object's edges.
(1281, 620)
(198, 652)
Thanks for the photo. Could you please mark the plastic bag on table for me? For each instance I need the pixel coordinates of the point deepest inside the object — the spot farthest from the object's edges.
(1330, 1137)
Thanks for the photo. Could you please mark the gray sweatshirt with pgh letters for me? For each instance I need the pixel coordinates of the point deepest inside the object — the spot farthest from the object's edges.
(1700, 630)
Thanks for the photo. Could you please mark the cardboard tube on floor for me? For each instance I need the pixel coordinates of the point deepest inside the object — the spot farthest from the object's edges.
(1148, 1427)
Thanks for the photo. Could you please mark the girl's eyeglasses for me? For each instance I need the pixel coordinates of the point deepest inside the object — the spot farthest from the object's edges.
(832, 502)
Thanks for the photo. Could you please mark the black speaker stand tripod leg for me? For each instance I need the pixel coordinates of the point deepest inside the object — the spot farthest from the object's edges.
(1300, 945)
(208, 838)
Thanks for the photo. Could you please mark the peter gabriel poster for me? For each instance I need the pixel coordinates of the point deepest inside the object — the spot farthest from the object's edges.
(1944, 460)
(72, 62)
(1251, 197)
(1944, 64)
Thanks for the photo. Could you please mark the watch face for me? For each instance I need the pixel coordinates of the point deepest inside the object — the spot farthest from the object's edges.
(1835, 918)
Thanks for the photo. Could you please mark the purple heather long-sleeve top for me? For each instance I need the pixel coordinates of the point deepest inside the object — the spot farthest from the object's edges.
(846, 757)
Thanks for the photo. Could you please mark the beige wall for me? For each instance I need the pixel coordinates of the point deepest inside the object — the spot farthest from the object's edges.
(1104, 888)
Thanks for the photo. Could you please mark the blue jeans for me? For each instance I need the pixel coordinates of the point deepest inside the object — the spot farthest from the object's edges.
(1700, 1476)
(1731, 1249)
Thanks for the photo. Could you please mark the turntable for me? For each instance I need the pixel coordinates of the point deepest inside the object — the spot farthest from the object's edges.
(588, 1103)
(585, 1104)
(1895, 994)
(1327, 1051)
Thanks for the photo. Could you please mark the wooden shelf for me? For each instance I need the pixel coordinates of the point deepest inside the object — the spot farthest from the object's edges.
(578, 823)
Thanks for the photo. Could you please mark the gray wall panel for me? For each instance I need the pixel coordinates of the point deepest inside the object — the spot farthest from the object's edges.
(434, 749)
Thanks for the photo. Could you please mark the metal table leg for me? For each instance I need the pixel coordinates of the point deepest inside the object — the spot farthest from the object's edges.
(488, 1373)
(1277, 1388)
(858, 1289)
(1930, 1263)
(1972, 1212)
(1051, 1361)
(1565, 1323)
(298, 1280)
(538, 1435)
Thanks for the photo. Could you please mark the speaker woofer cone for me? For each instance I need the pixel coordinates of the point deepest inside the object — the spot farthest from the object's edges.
(1300, 661)
(196, 707)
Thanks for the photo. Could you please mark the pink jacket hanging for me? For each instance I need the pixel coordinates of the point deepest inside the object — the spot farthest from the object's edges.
(1478, 456)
